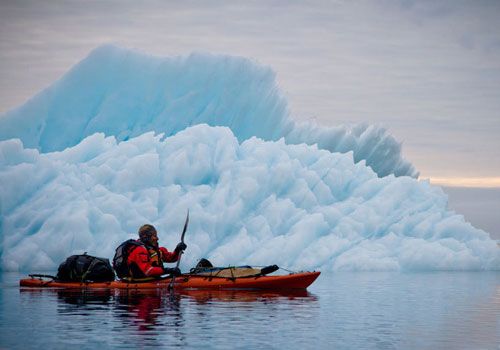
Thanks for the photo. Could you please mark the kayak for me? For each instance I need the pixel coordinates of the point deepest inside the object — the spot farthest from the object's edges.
(300, 280)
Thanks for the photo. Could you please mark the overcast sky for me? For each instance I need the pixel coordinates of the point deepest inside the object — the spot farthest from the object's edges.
(429, 71)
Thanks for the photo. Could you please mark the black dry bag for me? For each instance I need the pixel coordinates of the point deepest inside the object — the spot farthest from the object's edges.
(85, 268)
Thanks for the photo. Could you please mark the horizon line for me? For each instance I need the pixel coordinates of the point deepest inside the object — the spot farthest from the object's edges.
(470, 182)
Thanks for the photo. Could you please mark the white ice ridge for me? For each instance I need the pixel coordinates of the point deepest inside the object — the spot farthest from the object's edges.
(124, 93)
(256, 202)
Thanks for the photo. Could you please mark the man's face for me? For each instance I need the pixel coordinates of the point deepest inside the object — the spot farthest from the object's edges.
(154, 239)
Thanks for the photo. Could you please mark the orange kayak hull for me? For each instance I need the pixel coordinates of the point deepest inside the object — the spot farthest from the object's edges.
(300, 280)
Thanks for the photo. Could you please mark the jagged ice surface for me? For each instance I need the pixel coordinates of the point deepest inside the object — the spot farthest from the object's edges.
(255, 202)
(81, 169)
(125, 93)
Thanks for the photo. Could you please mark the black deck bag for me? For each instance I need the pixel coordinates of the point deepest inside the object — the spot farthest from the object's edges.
(202, 266)
(121, 256)
(85, 268)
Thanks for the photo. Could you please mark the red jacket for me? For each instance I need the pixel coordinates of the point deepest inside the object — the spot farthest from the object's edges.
(144, 263)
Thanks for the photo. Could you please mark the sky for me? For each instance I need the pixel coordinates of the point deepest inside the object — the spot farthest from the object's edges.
(428, 71)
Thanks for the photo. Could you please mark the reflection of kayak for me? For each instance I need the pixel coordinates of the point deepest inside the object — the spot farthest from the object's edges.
(79, 296)
(300, 280)
(244, 295)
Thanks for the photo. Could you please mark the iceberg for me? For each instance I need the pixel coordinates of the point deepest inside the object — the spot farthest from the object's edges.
(256, 202)
(125, 93)
(126, 139)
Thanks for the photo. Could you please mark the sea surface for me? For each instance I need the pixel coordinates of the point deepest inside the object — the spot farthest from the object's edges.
(434, 310)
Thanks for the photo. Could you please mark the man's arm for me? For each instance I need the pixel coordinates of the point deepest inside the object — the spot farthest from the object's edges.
(167, 256)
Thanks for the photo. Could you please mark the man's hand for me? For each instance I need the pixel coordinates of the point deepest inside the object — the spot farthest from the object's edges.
(180, 247)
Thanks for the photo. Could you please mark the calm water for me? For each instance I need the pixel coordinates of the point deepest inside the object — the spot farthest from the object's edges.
(340, 311)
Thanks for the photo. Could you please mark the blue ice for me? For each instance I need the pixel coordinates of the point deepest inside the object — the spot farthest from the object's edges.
(126, 139)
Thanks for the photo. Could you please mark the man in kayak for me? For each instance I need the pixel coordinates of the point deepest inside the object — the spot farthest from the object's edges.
(147, 259)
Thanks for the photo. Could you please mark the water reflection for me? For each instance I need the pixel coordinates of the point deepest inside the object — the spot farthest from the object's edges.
(158, 310)
(82, 298)
(347, 311)
(145, 307)
(201, 296)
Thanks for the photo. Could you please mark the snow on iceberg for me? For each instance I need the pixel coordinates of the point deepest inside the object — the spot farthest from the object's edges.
(124, 93)
(253, 202)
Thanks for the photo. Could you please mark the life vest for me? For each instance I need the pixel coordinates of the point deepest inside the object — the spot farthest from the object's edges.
(154, 256)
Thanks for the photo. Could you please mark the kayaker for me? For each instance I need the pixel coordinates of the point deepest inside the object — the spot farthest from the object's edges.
(147, 259)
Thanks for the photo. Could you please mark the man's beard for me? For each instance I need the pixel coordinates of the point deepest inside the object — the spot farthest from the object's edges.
(149, 243)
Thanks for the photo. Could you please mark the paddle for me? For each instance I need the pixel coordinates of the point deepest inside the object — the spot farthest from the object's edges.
(171, 285)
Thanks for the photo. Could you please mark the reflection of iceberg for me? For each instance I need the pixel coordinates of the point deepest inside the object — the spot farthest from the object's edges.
(124, 93)
(252, 201)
